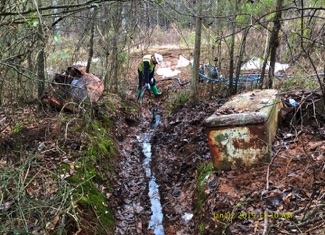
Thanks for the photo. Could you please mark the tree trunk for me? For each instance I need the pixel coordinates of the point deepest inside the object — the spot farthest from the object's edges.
(116, 65)
(41, 57)
(91, 41)
(197, 51)
(274, 41)
(231, 60)
(240, 57)
(40, 71)
(266, 56)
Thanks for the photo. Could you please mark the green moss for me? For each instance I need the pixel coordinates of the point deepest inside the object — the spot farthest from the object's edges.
(132, 108)
(88, 196)
(98, 203)
(204, 171)
(90, 170)
(201, 227)
(101, 142)
(85, 171)
(64, 167)
(107, 122)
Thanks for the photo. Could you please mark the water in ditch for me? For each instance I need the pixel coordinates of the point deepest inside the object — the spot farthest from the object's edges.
(156, 218)
(136, 196)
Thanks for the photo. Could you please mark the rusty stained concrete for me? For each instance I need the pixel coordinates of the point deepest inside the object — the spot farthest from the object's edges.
(238, 146)
(243, 138)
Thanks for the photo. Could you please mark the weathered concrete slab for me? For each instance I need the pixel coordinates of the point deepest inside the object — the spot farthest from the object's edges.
(241, 132)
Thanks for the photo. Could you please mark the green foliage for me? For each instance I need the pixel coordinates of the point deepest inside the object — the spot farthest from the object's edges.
(177, 100)
(32, 20)
(248, 9)
(57, 37)
(270, 16)
(63, 56)
(17, 128)
(86, 194)
(201, 227)
(297, 82)
(182, 98)
(204, 171)
(190, 39)
(90, 171)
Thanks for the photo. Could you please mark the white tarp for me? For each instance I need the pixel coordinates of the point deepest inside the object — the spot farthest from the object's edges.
(182, 61)
(256, 64)
(169, 72)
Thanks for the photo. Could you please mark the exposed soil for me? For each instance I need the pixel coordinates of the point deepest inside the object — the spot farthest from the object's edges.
(285, 196)
(235, 202)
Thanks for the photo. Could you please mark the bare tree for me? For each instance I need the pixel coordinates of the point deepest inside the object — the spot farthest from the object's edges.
(274, 40)
(197, 51)
(91, 41)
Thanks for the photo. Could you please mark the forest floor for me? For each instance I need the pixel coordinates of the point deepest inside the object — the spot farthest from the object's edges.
(285, 196)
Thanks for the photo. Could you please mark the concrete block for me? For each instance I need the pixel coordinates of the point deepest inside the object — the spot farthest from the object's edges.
(241, 132)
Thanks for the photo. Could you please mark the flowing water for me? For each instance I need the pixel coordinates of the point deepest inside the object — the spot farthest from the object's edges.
(138, 199)
(157, 216)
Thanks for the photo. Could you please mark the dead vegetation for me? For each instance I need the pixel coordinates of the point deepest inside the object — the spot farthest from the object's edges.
(60, 172)
(285, 196)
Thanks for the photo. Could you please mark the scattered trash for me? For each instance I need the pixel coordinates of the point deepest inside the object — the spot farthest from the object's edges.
(293, 102)
(187, 217)
(183, 62)
(167, 72)
(256, 63)
(41, 147)
(265, 101)
(213, 184)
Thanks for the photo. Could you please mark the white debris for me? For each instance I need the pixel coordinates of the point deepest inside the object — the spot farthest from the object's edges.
(41, 146)
(167, 72)
(84, 63)
(182, 62)
(256, 63)
(187, 217)
(265, 101)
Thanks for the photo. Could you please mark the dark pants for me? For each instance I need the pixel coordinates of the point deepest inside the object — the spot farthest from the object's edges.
(142, 80)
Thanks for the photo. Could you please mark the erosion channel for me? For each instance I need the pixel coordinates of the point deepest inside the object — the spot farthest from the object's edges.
(138, 189)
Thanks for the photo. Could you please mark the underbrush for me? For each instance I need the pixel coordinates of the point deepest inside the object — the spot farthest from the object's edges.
(297, 82)
(55, 175)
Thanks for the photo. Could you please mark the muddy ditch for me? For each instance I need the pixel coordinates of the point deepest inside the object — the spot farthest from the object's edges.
(146, 192)
(136, 200)
(196, 199)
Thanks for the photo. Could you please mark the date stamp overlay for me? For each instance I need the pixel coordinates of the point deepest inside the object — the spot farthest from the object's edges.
(251, 215)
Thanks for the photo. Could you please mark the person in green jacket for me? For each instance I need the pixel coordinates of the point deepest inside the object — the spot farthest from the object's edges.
(146, 70)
